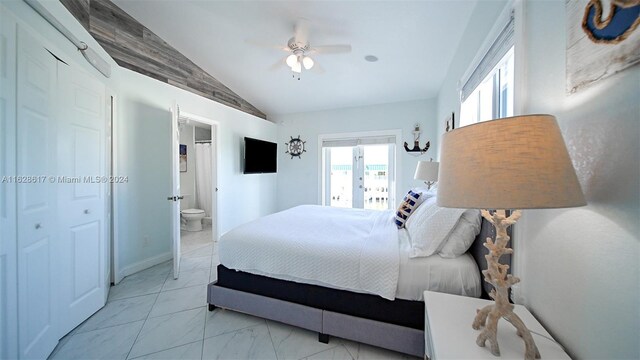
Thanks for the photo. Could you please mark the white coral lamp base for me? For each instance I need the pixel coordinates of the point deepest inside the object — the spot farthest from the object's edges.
(496, 275)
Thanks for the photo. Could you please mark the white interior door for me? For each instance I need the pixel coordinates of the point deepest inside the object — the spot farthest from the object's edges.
(81, 196)
(175, 188)
(8, 260)
(36, 202)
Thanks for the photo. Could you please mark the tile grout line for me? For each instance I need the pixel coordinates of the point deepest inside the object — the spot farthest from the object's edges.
(271, 338)
(159, 351)
(107, 327)
(151, 293)
(142, 327)
(206, 315)
(129, 297)
(204, 329)
(321, 351)
(231, 331)
(175, 312)
(350, 354)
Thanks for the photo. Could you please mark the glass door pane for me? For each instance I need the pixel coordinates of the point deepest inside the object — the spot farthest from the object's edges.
(340, 182)
(376, 176)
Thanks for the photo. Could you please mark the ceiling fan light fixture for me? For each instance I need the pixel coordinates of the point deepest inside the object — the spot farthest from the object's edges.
(297, 67)
(307, 62)
(291, 60)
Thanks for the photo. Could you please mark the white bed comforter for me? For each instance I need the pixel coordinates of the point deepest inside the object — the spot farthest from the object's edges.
(352, 249)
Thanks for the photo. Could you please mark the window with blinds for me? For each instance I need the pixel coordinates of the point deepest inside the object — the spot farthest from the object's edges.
(365, 140)
(487, 93)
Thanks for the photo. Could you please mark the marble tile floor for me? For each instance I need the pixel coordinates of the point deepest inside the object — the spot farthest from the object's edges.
(149, 315)
(191, 240)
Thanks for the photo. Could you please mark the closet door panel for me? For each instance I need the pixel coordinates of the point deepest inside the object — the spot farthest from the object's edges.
(86, 150)
(8, 242)
(36, 200)
(86, 258)
(81, 150)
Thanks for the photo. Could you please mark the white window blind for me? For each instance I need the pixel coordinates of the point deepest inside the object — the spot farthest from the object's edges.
(369, 140)
(503, 42)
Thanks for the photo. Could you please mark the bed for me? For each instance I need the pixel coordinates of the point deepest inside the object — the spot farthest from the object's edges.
(339, 272)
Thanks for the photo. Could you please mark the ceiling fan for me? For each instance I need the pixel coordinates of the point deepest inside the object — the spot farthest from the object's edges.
(300, 50)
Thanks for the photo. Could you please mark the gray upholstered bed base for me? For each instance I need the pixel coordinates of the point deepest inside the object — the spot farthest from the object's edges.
(393, 337)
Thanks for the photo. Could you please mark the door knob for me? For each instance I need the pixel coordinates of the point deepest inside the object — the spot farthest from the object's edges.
(180, 197)
(86, 211)
(38, 226)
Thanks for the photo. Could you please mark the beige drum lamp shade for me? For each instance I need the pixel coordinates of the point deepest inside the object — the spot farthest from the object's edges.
(427, 171)
(519, 162)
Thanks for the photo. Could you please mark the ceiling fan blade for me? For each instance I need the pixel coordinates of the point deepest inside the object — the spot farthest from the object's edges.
(265, 45)
(301, 31)
(317, 69)
(331, 49)
(278, 64)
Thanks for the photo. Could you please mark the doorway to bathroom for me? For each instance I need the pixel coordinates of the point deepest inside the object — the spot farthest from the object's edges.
(197, 186)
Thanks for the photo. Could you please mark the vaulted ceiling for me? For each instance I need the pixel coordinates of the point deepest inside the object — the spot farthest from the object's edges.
(414, 40)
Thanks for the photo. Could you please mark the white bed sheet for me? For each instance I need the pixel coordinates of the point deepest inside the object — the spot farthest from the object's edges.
(266, 248)
(351, 249)
(459, 276)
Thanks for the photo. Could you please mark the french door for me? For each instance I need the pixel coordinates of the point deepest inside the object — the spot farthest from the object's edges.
(361, 175)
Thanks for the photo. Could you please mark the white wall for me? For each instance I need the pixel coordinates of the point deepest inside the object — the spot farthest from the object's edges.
(299, 179)
(591, 253)
(142, 122)
(579, 267)
(188, 178)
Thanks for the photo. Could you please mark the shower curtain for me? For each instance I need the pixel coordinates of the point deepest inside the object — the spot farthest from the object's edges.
(203, 177)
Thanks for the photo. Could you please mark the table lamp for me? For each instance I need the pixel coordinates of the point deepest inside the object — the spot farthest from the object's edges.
(427, 171)
(514, 163)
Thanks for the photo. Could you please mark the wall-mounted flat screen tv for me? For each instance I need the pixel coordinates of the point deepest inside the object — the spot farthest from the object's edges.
(260, 156)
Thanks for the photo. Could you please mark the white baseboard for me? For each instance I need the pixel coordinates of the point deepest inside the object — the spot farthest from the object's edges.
(145, 264)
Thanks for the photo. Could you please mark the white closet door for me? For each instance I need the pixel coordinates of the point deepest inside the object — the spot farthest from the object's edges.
(81, 195)
(8, 290)
(36, 201)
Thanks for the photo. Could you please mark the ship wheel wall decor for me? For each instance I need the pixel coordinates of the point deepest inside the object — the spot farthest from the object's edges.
(295, 147)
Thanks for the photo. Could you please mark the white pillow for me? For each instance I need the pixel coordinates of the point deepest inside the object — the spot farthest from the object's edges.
(462, 235)
(424, 193)
(429, 226)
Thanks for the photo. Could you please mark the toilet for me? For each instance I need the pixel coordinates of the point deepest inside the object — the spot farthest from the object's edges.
(193, 219)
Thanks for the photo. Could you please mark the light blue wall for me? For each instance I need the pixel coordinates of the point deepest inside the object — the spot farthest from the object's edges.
(299, 179)
(579, 267)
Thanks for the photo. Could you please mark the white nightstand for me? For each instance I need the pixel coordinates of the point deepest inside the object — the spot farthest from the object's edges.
(449, 335)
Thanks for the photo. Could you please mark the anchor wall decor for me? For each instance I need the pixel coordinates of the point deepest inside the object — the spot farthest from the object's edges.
(416, 142)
